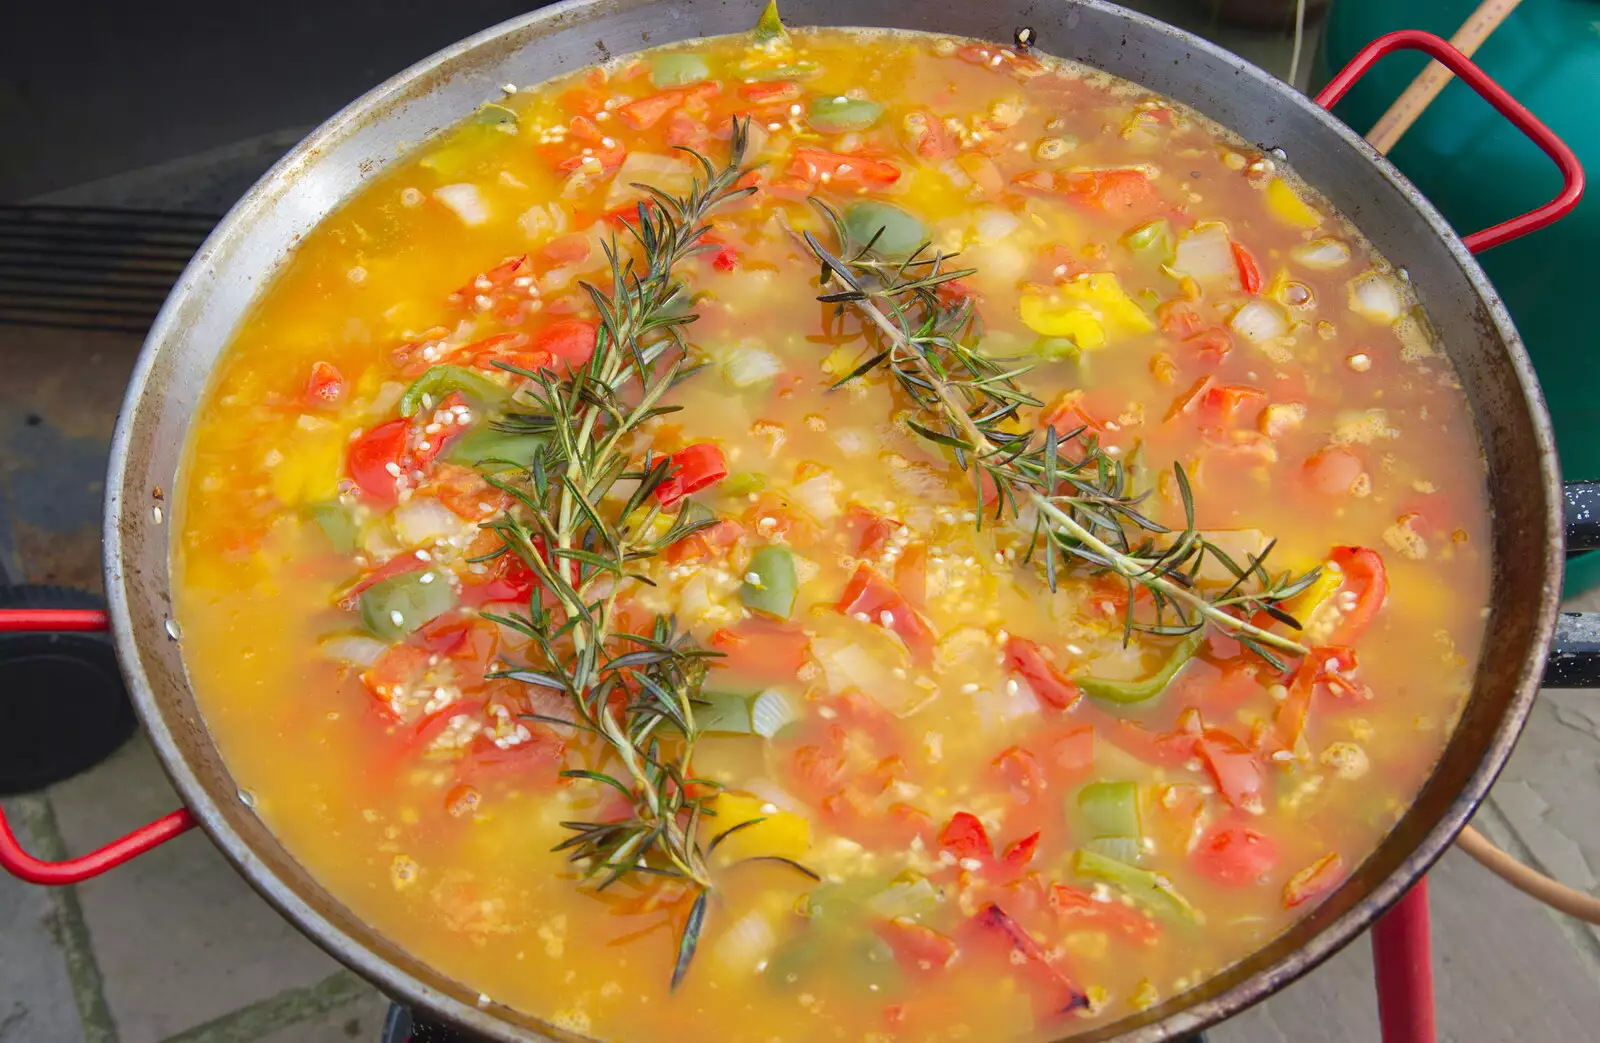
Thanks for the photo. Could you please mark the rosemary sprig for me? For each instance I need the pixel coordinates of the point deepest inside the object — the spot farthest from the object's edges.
(634, 692)
(1086, 506)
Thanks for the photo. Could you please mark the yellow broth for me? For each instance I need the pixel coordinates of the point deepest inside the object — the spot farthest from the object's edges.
(1250, 336)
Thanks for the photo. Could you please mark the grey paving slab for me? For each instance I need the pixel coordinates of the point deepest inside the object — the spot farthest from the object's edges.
(36, 1004)
(181, 940)
(359, 1020)
(1504, 972)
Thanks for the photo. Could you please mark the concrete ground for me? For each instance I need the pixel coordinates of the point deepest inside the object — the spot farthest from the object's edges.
(175, 948)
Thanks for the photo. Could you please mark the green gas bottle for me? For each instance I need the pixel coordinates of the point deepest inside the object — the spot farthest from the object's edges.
(1479, 170)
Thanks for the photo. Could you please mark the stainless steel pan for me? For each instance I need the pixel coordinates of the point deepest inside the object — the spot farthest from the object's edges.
(241, 258)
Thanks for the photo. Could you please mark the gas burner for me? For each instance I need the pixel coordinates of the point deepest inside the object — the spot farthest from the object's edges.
(401, 1027)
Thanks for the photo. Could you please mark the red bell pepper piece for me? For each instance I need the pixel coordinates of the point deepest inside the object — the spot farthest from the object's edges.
(648, 111)
(781, 92)
(691, 469)
(1063, 995)
(1020, 852)
(871, 595)
(1109, 191)
(1020, 770)
(1314, 880)
(964, 837)
(1323, 666)
(916, 948)
(1024, 659)
(1234, 766)
(1235, 855)
(868, 529)
(1220, 404)
(762, 649)
(376, 461)
(1249, 274)
(810, 164)
(1072, 907)
(1364, 577)
(570, 340)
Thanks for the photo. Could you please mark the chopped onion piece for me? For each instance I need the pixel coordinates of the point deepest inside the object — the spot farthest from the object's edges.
(771, 712)
(995, 225)
(355, 649)
(1323, 254)
(746, 943)
(846, 664)
(815, 494)
(668, 173)
(421, 521)
(467, 202)
(1259, 321)
(1374, 297)
(747, 367)
(1205, 254)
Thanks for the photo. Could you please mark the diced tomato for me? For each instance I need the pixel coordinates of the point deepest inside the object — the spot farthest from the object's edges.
(780, 93)
(707, 543)
(869, 594)
(1235, 855)
(964, 837)
(1329, 667)
(1020, 770)
(1067, 413)
(1069, 754)
(1186, 402)
(817, 770)
(1110, 191)
(1249, 274)
(1222, 403)
(1179, 318)
(927, 136)
(536, 762)
(1234, 766)
(567, 249)
(1314, 880)
(684, 131)
(691, 469)
(325, 386)
(376, 461)
(471, 644)
(395, 669)
(762, 649)
(514, 582)
(1164, 748)
(1072, 906)
(570, 340)
(1019, 853)
(1211, 344)
(1365, 578)
(1023, 66)
(869, 531)
(492, 284)
(907, 822)
(509, 348)
(466, 492)
(916, 948)
(1333, 471)
(810, 164)
(584, 101)
(1024, 658)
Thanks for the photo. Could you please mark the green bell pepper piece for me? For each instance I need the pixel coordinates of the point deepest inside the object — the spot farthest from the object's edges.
(337, 525)
(1153, 240)
(797, 71)
(744, 483)
(1110, 809)
(505, 450)
(441, 380)
(894, 233)
(678, 70)
(394, 607)
(838, 114)
(726, 712)
(1128, 692)
(770, 26)
(1151, 890)
(770, 583)
(1057, 348)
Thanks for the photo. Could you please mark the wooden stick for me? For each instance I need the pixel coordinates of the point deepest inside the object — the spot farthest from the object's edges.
(1417, 97)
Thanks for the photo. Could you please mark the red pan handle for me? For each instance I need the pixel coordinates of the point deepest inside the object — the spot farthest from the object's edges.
(16, 861)
(1504, 103)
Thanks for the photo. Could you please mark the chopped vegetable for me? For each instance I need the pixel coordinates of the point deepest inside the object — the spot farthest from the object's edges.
(1152, 240)
(891, 231)
(770, 26)
(1314, 881)
(750, 367)
(770, 583)
(836, 115)
(431, 388)
(771, 712)
(1110, 809)
(1148, 888)
(678, 70)
(689, 470)
(1024, 658)
(1128, 692)
(1367, 585)
(723, 712)
(335, 521)
(1287, 206)
(375, 460)
(394, 607)
(1235, 855)
(492, 450)
(873, 599)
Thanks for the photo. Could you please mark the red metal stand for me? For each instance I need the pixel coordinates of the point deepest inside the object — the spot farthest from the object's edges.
(1402, 956)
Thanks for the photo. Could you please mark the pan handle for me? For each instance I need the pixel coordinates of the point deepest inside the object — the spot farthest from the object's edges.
(1496, 95)
(1574, 660)
(16, 861)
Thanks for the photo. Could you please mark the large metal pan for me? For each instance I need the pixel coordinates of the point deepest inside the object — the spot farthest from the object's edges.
(247, 249)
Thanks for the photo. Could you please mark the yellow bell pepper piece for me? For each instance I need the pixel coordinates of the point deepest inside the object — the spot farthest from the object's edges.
(1302, 605)
(1091, 309)
(1288, 207)
(780, 834)
(310, 469)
